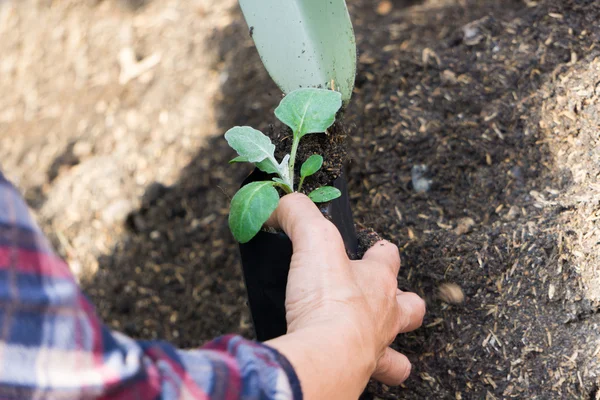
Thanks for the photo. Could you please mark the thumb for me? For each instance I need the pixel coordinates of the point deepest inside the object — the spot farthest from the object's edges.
(307, 228)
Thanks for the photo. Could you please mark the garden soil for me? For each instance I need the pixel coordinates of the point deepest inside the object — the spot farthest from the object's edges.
(471, 142)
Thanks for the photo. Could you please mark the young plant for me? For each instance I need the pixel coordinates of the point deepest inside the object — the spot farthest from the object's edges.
(305, 111)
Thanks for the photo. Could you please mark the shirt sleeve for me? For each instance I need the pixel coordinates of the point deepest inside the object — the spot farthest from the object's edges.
(53, 345)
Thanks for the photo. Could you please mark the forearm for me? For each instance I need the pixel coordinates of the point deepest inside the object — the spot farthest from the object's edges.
(329, 364)
(53, 330)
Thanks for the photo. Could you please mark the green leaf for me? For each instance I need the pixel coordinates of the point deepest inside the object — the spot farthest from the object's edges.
(279, 180)
(311, 165)
(254, 146)
(324, 194)
(250, 208)
(309, 110)
(265, 165)
(238, 159)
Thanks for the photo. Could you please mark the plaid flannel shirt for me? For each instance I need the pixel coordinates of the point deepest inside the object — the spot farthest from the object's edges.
(54, 346)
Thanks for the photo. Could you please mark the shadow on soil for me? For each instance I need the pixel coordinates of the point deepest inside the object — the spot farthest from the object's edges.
(430, 90)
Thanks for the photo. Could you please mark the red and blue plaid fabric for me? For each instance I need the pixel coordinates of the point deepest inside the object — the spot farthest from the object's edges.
(54, 346)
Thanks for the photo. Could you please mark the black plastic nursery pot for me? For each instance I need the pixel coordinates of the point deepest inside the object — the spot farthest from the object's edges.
(266, 263)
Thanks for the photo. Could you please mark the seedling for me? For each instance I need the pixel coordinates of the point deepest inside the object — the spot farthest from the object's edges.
(305, 111)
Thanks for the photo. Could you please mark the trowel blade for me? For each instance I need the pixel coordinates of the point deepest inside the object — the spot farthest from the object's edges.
(304, 43)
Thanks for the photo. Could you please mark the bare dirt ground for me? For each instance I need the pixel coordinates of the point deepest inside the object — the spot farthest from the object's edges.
(110, 121)
(99, 100)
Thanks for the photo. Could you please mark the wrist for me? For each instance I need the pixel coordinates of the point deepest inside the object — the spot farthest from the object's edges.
(327, 359)
(352, 344)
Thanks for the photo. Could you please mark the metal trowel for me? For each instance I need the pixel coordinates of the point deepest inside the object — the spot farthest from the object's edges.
(304, 43)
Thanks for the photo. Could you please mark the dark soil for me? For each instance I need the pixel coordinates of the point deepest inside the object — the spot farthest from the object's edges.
(366, 239)
(468, 101)
(332, 145)
(499, 100)
(461, 89)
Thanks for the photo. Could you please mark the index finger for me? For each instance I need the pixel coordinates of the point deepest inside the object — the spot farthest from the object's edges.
(384, 253)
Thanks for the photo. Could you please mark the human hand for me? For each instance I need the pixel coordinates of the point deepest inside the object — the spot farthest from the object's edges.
(358, 302)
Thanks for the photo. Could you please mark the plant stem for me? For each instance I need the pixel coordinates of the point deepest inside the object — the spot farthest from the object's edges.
(301, 182)
(293, 158)
(285, 188)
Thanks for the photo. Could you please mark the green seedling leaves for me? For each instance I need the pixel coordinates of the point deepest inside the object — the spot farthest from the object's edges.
(324, 194)
(311, 165)
(309, 110)
(252, 145)
(305, 111)
(250, 208)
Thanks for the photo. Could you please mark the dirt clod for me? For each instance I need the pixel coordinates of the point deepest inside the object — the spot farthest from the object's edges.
(451, 293)
(384, 7)
(464, 225)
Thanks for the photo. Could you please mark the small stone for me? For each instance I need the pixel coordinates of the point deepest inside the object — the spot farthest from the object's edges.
(420, 182)
(451, 293)
(464, 226)
(449, 77)
(551, 291)
(472, 32)
(513, 213)
(384, 7)
(471, 35)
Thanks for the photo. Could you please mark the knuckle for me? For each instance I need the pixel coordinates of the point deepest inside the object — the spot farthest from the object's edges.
(403, 321)
(326, 228)
(287, 202)
(394, 250)
(385, 364)
(391, 247)
(293, 198)
(389, 282)
(392, 254)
